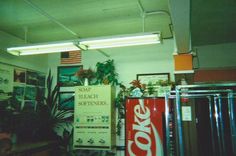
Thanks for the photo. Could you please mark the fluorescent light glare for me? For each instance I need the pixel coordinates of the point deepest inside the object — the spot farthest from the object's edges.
(99, 43)
(122, 41)
(43, 49)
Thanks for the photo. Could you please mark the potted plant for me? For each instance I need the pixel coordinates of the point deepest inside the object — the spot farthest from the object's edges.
(150, 89)
(60, 118)
(86, 75)
(163, 87)
(137, 89)
(105, 73)
(54, 122)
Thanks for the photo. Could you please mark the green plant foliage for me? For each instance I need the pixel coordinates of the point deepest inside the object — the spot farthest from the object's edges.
(150, 89)
(120, 105)
(105, 73)
(54, 122)
(59, 119)
(85, 73)
(165, 83)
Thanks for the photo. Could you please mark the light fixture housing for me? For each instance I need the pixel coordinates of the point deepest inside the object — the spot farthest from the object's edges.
(43, 48)
(121, 41)
(87, 44)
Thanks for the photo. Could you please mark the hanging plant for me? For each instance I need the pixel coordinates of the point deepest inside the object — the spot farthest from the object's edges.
(120, 105)
(105, 73)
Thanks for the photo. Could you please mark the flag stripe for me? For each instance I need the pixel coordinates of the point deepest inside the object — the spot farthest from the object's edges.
(72, 57)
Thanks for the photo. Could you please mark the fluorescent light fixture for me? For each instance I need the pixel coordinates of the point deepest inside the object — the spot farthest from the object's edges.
(97, 43)
(120, 41)
(43, 48)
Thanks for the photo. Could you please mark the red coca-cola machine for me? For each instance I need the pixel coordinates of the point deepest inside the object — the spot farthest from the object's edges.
(144, 126)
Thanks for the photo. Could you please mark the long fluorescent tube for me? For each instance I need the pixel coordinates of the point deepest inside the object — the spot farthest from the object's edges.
(98, 43)
(43, 49)
(121, 41)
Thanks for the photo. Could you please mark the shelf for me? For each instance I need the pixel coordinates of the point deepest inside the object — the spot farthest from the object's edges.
(184, 72)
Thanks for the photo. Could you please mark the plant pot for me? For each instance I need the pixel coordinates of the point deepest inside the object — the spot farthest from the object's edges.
(86, 82)
(122, 129)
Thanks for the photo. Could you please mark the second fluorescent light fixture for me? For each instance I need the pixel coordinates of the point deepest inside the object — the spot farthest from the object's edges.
(121, 41)
(98, 43)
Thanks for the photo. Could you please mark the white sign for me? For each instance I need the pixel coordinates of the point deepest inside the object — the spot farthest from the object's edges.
(186, 113)
(94, 124)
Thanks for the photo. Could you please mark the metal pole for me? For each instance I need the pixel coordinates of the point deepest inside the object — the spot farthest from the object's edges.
(232, 120)
(217, 126)
(218, 114)
(179, 123)
(211, 124)
(222, 125)
(167, 124)
(205, 91)
(207, 85)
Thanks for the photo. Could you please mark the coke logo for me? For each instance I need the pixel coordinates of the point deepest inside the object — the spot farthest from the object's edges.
(144, 128)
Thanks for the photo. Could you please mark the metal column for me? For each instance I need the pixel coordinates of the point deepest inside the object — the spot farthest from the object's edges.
(179, 124)
(167, 124)
(212, 123)
(232, 120)
(219, 148)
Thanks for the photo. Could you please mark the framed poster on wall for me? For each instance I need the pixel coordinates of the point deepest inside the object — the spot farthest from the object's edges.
(6, 78)
(19, 75)
(67, 75)
(153, 78)
(157, 84)
(66, 100)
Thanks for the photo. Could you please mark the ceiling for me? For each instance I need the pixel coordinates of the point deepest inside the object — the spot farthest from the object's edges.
(213, 22)
(44, 21)
(38, 21)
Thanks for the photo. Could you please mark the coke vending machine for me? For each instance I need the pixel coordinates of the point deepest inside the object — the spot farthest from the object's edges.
(144, 126)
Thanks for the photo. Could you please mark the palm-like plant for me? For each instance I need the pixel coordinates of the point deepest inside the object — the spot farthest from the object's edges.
(53, 120)
(60, 119)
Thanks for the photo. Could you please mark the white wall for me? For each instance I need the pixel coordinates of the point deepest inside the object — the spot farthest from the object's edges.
(37, 62)
(216, 56)
(130, 61)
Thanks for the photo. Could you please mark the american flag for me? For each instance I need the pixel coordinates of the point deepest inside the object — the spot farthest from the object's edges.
(71, 57)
